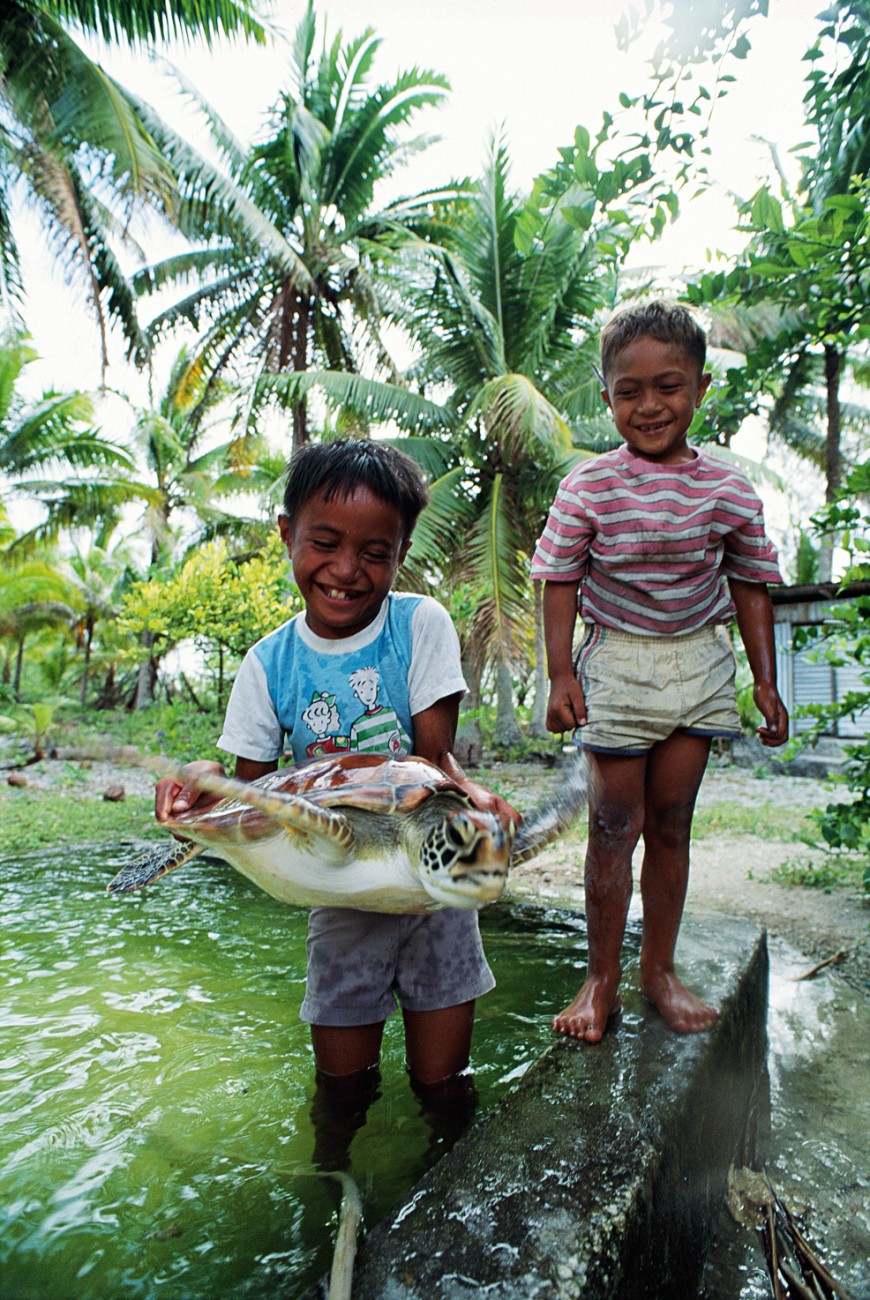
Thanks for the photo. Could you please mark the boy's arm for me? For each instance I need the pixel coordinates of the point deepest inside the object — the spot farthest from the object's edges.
(566, 707)
(755, 621)
(180, 793)
(434, 736)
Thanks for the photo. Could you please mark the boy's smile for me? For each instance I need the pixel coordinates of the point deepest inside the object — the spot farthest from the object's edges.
(653, 391)
(345, 554)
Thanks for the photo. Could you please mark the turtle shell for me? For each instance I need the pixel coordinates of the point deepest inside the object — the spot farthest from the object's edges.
(375, 782)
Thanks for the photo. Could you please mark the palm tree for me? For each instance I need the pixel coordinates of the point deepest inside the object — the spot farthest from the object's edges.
(285, 233)
(189, 472)
(505, 319)
(97, 578)
(52, 454)
(72, 143)
(35, 594)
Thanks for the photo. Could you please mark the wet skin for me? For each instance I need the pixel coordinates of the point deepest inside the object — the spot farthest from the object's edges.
(652, 795)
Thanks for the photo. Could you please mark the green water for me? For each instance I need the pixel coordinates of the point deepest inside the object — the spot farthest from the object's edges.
(156, 1082)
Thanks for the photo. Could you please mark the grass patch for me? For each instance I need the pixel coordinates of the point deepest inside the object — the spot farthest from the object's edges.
(32, 819)
(767, 821)
(834, 871)
(176, 730)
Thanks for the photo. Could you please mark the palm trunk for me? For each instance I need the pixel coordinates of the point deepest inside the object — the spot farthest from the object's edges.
(296, 314)
(19, 664)
(507, 731)
(147, 677)
(833, 457)
(468, 743)
(89, 640)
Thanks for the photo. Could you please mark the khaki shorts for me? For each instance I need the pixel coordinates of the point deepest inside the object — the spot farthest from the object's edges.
(641, 689)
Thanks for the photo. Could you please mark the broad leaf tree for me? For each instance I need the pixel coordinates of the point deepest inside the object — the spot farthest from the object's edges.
(800, 289)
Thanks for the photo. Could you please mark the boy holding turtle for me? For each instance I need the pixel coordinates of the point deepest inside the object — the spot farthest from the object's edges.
(367, 668)
(655, 544)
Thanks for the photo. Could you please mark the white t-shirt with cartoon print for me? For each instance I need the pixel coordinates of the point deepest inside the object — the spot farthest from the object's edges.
(300, 692)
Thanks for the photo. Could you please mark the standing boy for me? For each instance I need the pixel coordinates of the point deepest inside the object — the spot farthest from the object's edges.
(660, 543)
(349, 511)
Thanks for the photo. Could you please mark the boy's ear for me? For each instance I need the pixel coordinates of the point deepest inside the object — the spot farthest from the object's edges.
(703, 385)
(606, 396)
(286, 531)
(405, 548)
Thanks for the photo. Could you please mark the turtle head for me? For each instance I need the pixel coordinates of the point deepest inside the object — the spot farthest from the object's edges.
(464, 858)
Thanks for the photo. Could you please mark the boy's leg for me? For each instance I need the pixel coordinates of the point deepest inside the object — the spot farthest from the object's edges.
(438, 1050)
(347, 1081)
(674, 773)
(346, 1049)
(615, 822)
(438, 1043)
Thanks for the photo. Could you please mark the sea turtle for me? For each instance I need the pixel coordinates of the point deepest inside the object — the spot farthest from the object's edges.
(361, 830)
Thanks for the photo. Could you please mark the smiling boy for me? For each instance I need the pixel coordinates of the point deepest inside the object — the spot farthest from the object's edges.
(656, 545)
(350, 508)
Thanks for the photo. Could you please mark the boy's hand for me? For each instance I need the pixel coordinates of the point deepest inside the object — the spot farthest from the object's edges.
(774, 712)
(566, 707)
(179, 793)
(487, 801)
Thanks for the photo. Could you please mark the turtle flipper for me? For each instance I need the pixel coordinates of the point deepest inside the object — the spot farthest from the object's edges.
(153, 865)
(546, 822)
(330, 830)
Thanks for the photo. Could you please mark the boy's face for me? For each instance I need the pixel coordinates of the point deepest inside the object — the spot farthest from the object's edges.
(653, 390)
(345, 554)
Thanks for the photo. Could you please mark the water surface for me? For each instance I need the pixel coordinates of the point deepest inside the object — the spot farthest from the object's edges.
(156, 1083)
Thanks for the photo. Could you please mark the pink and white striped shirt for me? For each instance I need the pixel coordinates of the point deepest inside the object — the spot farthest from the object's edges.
(653, 544)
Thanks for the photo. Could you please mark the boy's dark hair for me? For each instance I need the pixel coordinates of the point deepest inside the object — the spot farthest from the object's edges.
(339, 468)
(669, 322)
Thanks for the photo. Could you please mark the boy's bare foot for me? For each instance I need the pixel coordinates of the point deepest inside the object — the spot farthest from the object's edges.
(587, 1015)
(680, 1009)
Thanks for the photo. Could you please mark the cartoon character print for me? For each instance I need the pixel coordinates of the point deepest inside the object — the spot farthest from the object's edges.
(378, 729)
(321, 718)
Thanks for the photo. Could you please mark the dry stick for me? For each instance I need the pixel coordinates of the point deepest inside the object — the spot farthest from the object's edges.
(816, 1276)
(800, 1289)
(829, 961)
(813, 1261)
(773, 1256)
(344, 1252)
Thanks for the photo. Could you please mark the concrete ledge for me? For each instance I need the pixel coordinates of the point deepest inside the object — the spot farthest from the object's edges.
(602, 1174)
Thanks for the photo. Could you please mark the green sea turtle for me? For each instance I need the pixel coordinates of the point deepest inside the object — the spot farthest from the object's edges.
(361, 830)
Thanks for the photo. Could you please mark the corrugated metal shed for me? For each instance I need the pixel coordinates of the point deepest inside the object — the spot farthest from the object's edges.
(805, 678)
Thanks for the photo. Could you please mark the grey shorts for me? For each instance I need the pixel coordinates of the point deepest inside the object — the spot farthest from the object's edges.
(361, 963)
(641, 689)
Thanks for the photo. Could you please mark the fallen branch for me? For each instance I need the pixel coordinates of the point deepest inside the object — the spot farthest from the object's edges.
(814, 970)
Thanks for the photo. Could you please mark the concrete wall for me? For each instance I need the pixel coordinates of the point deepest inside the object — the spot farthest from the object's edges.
(602, 1174)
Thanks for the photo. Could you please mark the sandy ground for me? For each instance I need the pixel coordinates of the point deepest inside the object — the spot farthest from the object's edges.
(729, 875)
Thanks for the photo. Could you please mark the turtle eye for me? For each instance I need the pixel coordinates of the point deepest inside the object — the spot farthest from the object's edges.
(460, 831)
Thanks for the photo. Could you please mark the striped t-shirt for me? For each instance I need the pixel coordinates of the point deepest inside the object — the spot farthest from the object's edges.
(652, 545)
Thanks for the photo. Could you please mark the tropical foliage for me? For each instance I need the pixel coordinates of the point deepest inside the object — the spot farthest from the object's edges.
(845, 639)
(798, 294)
(72, 145)
(222, 603)
(285, 236)
(299, 281)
